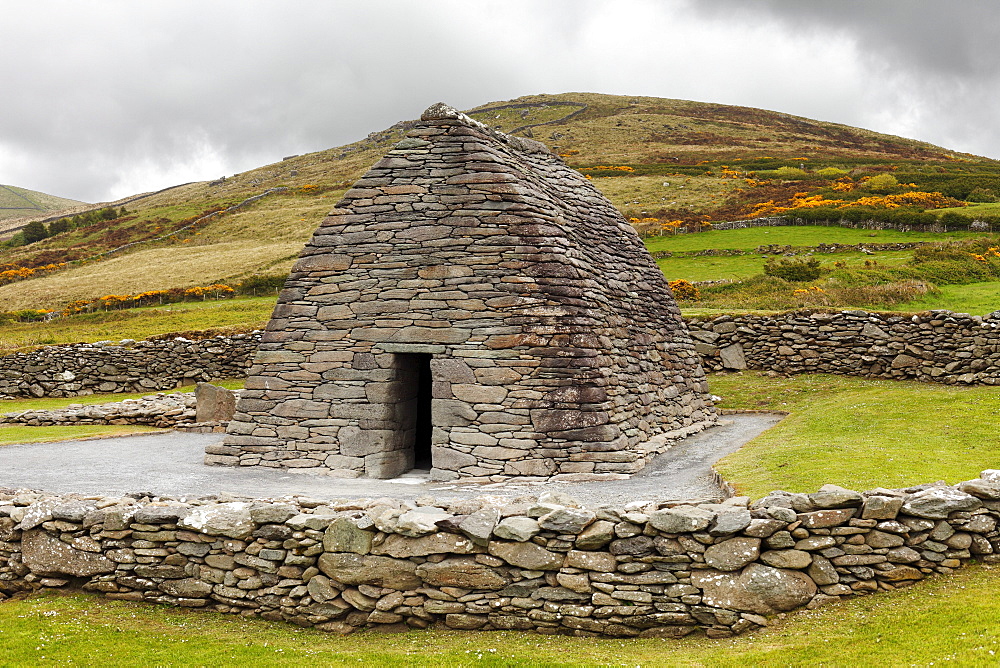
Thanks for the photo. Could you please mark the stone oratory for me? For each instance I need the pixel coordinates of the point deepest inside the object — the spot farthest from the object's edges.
(474, 307)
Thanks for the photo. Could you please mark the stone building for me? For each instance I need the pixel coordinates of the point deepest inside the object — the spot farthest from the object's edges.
(475, 307)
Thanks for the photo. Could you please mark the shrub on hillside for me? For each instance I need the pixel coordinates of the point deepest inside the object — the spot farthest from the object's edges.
(684, 290)
(882, 183)
(796, 270)
(831, 173)
(952, 219)
(981, 196)
(34, 231)
(790, 173)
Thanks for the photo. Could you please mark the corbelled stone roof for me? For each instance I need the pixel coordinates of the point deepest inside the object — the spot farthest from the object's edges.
(554, 344)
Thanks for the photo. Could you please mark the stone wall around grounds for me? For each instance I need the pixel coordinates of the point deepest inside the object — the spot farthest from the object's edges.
(538, 564)
(936, 346)
(126, 366)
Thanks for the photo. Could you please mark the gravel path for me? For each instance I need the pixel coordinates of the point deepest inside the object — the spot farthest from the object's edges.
(170, 464)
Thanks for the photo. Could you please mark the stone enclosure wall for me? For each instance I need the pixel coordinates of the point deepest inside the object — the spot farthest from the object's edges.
(542, 564)
(937, 346)
(126, 366)
(778, 221)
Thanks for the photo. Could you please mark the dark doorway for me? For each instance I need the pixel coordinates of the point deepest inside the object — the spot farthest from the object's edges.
(422, 440)
(415, 385)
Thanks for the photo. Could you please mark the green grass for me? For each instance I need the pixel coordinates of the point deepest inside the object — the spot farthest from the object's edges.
(990, 209)
(859, 433)
(974, 298)
(736, 267)
(807, 235)
(237, 314)
(23, 434)
(947, 619)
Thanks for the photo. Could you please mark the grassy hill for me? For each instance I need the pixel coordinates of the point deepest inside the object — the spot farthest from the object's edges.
(673, 159)
(20, 202)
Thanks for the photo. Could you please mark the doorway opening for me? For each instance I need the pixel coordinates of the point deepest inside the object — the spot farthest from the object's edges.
(415, 374)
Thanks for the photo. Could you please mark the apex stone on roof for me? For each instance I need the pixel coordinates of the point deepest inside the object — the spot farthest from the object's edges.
(476, 307)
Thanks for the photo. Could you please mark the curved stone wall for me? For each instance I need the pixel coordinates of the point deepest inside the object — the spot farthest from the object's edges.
(545, 564)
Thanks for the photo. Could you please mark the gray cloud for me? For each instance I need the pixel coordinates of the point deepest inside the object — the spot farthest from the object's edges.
(105, 99)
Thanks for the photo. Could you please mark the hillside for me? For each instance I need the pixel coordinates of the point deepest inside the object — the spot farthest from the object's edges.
(655, 158)
(20, 202)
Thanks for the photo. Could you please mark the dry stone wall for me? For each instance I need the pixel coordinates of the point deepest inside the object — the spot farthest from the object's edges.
(778, 221)
(938, 346)
(542, 564)
(125, 366)
(160, 410)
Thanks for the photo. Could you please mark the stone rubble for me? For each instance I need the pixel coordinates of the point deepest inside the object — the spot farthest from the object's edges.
(543, 564)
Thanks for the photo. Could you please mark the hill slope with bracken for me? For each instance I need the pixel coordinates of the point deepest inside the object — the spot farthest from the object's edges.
(655, 158)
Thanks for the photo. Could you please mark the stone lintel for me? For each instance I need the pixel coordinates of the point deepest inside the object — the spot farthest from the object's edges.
(426, 348)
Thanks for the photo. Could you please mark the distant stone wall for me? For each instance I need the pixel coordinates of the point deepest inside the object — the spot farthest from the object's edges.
(127, 366)
(545, 565)
(778, 221)
(936, 346)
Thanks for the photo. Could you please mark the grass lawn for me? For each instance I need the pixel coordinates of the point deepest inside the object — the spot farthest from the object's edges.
(22, 434)
(947, 619)
(974, 298)
(859, 433)
(734, 267)
(806, 235)
(987, 209)
(240, 314)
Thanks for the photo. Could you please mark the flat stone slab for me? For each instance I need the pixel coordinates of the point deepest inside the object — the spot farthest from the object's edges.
(170, 464)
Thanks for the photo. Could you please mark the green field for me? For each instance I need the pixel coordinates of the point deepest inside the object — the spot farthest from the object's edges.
(974, 298)
(991, 209)
(224, 315)
(806, 235)
(859, 433)
(736, 267)
(20, 434)
(15, 202)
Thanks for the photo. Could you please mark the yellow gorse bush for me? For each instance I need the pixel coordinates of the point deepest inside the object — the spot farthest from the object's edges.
(148, 298)
(684, 290)
(21, 273)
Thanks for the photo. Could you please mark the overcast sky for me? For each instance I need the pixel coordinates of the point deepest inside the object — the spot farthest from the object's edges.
(103, 98)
